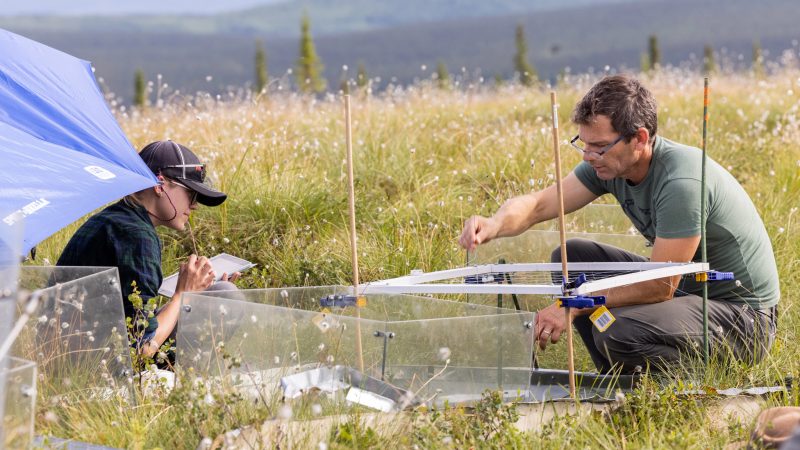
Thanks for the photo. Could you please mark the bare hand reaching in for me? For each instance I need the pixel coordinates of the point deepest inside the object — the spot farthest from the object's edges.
(195, 275)
(477, 230)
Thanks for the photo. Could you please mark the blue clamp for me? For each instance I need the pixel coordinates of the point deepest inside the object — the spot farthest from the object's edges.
(713, 275)
(720, 276)
(568, 286)
(337, 301)
(581, 301)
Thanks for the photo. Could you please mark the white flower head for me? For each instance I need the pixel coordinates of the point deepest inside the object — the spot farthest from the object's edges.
(285, 412)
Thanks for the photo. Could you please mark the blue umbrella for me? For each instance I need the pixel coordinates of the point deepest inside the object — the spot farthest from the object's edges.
(63, 153)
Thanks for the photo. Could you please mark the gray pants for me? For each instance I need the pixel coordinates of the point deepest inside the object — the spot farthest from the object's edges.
(658, 335)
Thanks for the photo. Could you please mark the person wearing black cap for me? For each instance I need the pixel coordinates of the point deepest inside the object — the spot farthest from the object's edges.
(123, 235)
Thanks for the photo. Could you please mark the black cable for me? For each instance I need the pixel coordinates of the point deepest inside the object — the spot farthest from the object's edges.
(174, 209)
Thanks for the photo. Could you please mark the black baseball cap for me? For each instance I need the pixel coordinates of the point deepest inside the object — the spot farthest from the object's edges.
(177, 162)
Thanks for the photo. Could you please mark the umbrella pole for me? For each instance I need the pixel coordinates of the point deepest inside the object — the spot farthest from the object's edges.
(353, 245)
(563, 238)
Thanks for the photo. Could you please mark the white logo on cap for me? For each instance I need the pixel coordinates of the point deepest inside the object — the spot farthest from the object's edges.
(100, 172)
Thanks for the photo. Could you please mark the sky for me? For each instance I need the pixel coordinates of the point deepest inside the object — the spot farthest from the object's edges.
(114, 7)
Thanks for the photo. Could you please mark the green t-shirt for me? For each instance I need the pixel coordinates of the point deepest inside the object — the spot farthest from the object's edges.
(666, 204)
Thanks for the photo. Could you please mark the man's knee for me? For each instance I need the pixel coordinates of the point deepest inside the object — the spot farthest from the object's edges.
(577, 248)
(620, 341)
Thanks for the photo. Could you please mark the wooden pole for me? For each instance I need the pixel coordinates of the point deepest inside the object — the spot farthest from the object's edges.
(563, 238)
(353, 245)
(706, 347)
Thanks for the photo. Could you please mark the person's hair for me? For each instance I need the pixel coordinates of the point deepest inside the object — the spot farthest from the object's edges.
(134, 200)
(622, 99)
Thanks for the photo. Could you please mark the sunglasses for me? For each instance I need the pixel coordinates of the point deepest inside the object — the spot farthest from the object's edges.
(192, 193)
(197, 167)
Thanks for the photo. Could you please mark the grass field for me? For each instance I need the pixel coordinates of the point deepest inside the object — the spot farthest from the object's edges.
(426, 159)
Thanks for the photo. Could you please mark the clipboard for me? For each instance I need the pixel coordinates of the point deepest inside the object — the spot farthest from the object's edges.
(222, 263)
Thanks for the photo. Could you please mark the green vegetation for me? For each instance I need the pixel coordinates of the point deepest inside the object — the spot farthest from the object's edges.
(139, 89)
(361, 76)
(425, 160)
(262, 78)
(758, 59)
(309, 66)
(653, 52)
(442, 75)
(709, 65)
(523, 68)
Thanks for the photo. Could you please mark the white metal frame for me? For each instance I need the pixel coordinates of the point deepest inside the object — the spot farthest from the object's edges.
(426, 283)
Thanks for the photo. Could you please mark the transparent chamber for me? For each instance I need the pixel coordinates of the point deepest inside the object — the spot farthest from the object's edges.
(412, 349)
(77, 336)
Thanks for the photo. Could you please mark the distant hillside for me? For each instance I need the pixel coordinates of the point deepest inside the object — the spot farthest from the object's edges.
(579, 38)
(117, 8)
(282, 18)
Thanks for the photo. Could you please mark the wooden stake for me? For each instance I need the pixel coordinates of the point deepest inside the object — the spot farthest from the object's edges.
(563, 237)
(353, 245)
(703, 218)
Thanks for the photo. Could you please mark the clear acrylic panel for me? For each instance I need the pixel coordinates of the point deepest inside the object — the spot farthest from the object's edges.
(260, 336)
(605, 224)
(457, 358)
(18, 403)
(10, 256)
(601, 223)
(538, 245)
(10, 253)
(593, 218)
(11, 236)
(78, 335)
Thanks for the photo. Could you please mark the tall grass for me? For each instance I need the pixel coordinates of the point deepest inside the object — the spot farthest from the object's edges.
(426, 159)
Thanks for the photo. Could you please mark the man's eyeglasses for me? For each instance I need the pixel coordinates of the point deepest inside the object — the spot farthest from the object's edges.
(192, 192)
(197, 167)
(599, 152)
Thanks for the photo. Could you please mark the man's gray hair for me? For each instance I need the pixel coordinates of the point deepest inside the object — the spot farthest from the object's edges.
(622, 99)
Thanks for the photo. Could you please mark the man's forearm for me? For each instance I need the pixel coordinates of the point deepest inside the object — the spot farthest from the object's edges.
(516, 216)
(646, 292)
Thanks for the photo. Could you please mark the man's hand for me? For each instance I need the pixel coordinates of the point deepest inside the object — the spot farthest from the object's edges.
(477, 230)
(550, 323)
(195, 275)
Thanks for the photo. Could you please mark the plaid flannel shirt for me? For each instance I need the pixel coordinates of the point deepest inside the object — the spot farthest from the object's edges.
(121, 236)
